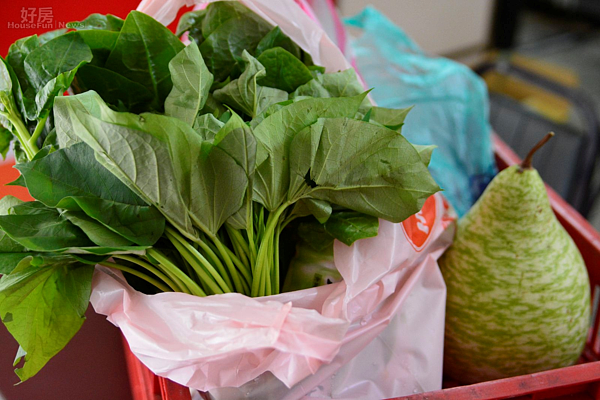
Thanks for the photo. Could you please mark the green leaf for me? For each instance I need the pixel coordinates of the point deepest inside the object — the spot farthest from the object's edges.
(275, 134)
(337, 84)
(9, 260)
(74, 171)
(390, 117)
(350, 226)
(98, 233)
(362, 167)
(72, 179)
(314, 234)
(40, 228)
(5, 138)
(237, 140)
(148, 171)
(229, 29)
(342, 84)
(25, 92)
(283, 70)
(98, 22)
(212, 106)
(5, 82)
(425, 152)
(62, 54)
(245, 94)
(20, 181)
(7, 245)
(142, 54)
(345, 226)
(219, 13)
(320, 209)
(192, 22)
(43, 307)
(101, 44)
(114, 88)
(48, 36)
(207, 126)
(191, 83)
(44, 99)
(311, 89)
(276, 38)
(8, 202)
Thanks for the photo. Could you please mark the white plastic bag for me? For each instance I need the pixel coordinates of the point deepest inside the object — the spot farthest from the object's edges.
(378, 333)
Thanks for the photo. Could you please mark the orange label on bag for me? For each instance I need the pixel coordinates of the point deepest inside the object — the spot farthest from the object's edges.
(418, 227)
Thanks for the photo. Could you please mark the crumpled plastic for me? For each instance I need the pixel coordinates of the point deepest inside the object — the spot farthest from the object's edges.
(451, 104)
(376, 334)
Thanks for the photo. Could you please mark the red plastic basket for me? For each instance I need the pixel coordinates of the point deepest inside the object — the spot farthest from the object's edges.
(577, 382)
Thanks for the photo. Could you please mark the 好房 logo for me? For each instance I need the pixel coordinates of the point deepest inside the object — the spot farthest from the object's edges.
(36, 18)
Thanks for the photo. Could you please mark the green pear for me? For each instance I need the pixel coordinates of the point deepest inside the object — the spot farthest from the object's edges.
(518, 290)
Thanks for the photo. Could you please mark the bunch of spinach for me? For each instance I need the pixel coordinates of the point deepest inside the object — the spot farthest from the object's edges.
(182, 165)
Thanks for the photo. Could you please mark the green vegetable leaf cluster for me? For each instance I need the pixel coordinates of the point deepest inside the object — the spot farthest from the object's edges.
(182, 166)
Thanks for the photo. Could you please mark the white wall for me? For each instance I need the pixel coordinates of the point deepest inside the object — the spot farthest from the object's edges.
(438, 26)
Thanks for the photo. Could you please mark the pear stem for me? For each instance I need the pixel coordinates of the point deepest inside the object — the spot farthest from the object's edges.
(526, 164)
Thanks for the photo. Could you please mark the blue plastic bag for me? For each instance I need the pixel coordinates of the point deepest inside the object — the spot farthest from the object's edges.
(451, 104)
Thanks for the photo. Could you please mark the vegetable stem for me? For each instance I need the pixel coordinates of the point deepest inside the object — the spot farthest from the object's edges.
(137, 273)
(216, 261)
(237, 239)
(214, 281)
(262, 275)
(151, 268)
(228, 262)
(38, 130)
(187, 281)
(276, 260)
(21, 132)
(250, 229)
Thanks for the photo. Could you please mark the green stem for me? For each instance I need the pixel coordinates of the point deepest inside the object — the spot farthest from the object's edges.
(38, 130)
(181, 287)
(262, 270)
(214, 281)
(137, 273)
(241, 267)
(237, 238)
(189, 283)
(148, 267)
(276, 260)
(250, 229)
(216, 261)
(238, 247)
(22, 133)
(228, 262)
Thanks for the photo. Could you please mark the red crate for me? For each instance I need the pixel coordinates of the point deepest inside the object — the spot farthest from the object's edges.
(577, 382)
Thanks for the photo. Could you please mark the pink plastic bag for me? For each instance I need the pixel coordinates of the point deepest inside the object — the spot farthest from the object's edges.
(378, 333)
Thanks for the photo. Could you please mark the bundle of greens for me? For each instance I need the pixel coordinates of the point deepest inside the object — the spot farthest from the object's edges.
(182, 165)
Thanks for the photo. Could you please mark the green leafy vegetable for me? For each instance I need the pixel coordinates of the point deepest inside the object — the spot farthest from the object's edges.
(184, 167)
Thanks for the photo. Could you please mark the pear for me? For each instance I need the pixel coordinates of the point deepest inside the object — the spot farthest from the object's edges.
(518, 290)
